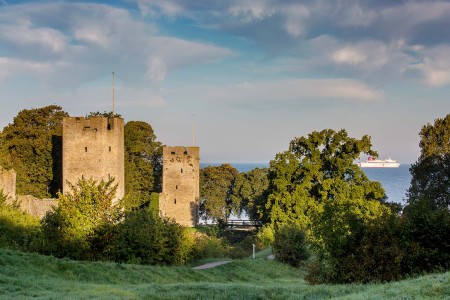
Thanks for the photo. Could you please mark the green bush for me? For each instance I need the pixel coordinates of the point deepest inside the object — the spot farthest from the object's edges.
(290, 245)
(209, 247)
(18, 230)
(265, 237)
(146, 238)
(426, 232)
(69, 228)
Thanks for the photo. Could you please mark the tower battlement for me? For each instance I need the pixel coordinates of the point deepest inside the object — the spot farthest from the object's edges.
(93, 148)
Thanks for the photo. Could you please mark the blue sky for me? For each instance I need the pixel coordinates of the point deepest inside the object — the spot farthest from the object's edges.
(251, 75)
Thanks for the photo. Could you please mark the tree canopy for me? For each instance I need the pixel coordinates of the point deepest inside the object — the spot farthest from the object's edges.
(315, 171)
(249, 192)
(431, 173)
(143, 163)
(33, 145)
(216, 185)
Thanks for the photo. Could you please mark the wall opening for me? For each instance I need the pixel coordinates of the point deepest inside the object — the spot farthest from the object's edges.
(85, 149)
(109, 148)
(181, 170)
(176, 186)
(175, 201)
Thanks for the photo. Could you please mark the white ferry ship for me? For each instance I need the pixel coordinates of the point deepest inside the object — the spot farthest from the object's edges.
(379, 163)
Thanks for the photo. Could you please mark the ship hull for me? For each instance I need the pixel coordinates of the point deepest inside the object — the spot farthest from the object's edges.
(379, 165)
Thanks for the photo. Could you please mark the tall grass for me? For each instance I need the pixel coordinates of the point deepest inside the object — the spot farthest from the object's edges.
(24, 276)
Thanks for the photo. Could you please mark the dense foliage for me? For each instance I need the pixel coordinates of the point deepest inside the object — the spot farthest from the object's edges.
(290, 245)
(216, 185)
(430, 174)
(18, 230)
(427, 215)
(143, 163)
(249, 192)
(146, 238)
(70, 226)
(316, 171)
(33, 145)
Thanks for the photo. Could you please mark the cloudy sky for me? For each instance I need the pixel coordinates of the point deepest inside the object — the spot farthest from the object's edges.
(251, 75)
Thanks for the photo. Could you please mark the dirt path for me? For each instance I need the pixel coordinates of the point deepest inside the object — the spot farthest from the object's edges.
(211, 265)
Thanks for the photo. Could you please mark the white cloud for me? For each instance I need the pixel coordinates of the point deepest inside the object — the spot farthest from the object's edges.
(156, 69)
(11, 66)
(367, 54)
(348, 55)
(288, 93)
(248, 11)
(87, 41)
(433, 65)
(296, 17)
(48, 39)
(153, 8)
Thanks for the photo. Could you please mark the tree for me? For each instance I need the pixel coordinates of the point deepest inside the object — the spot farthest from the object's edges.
(143, 163)
(316, 170)
(426, 217)
(106, 114)
(431, 173)
(249, 192)
(33, 143)
(5, 159)
(216, 184)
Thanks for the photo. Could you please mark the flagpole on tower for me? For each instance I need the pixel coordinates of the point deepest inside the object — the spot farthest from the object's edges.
(113, 94)
(193, 130)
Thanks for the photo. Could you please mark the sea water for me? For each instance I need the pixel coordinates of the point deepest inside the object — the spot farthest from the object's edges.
(395, 181)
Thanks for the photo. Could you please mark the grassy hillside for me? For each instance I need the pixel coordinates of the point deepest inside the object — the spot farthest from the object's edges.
(31, 275)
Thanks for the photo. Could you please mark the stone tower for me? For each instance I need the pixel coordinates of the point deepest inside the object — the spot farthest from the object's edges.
(93, 148)
(180, 184)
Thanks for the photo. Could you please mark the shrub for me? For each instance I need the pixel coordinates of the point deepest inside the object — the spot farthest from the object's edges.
(426, 232)
(18, 230)
(290, 245)
(355, 241)
(69, 228)
(209, 247)
(146, 238)
(373, 254)
(265, 237)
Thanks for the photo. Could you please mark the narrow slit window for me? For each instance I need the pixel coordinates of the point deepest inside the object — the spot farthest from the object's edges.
(175, 201)
(176, 187)
(109, 148)
(181, 170)
(85, 149)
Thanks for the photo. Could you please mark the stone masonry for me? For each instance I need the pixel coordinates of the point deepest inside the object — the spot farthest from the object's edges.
(181, 184)
(8, 182)
(93, 148)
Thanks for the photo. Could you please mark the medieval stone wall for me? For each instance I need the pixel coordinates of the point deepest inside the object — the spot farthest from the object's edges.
(35, 206)
(93, 148)
(8, 182)
(181, 184)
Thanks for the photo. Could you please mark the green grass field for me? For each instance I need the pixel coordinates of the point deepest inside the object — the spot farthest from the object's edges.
(25, 276)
